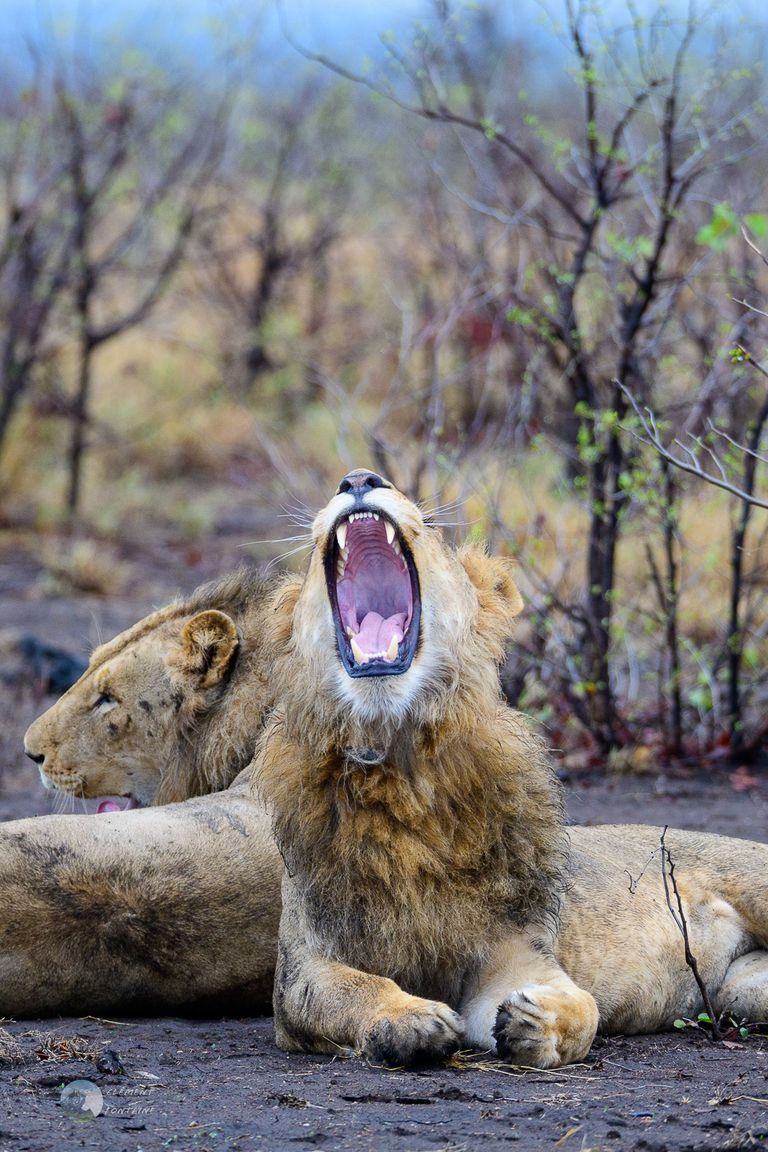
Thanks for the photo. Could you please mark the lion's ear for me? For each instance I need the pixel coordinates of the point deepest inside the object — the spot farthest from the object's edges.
(497, 593)
(209, 644)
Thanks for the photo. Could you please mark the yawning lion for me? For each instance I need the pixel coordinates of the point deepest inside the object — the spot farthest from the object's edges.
(420, 824)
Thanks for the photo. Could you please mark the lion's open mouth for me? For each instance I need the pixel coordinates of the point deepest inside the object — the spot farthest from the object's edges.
(374, 592)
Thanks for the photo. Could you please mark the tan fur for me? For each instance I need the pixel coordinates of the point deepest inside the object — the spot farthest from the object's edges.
(179, 904)
(183, 685)
(417, 824)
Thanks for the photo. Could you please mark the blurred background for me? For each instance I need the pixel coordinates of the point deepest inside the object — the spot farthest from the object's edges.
(511, 256)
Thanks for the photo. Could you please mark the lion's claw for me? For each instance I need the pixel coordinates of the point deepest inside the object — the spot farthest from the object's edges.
(525, 1032)
(544, 1029)
(427, 1032)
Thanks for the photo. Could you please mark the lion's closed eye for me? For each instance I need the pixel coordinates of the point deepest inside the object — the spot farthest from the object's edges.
(105, 703)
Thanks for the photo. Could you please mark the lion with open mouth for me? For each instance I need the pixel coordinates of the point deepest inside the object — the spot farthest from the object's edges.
(431, 897)
(417, 815)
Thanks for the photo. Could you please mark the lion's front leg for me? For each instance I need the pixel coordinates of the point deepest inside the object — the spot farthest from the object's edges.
(322, 1005)
(523, 1005)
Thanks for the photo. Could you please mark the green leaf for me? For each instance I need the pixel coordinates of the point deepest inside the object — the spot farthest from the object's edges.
(757, 223)
(704, 1018)
(490, 129)
(751, 656)
(520, 316)
(680, 1024)
(723, 226)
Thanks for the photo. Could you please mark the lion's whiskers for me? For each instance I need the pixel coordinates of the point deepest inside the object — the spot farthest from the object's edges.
(278, 540)
(304, 537)
(429, 510)
(298, 514)
(285, 555)
(63, 803)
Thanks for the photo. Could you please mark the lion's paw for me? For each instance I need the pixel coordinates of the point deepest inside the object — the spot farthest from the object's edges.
(420, 1032)
(543, 1027)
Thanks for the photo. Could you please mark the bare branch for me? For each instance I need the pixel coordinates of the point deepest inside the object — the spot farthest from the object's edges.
(678, 915)
(440, 113)
(692, 465)
(753, 246)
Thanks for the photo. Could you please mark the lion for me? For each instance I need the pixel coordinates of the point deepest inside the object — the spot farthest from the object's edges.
(179, 905)
(430, 900)
(166, 907)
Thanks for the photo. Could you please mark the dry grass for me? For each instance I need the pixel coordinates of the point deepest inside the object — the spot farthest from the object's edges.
(11, 1051)
(48, 1046)
(27, 1047)
(480, 1062)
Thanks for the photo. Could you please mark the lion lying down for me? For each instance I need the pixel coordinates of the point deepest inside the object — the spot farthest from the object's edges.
(418, 817)
(162, 907)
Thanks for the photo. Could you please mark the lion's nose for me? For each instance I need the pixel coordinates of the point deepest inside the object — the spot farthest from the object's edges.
(359, 481)
(37, 757)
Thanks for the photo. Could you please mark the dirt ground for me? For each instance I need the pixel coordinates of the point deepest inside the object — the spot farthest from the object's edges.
(221, 1084)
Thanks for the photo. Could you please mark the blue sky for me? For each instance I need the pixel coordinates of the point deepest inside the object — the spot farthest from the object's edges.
(347, 28)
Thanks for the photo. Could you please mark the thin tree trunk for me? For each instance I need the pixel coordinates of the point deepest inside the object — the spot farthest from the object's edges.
(13, 387)
(80, 419)
(735, 636)
(601, 577)
(671, 608)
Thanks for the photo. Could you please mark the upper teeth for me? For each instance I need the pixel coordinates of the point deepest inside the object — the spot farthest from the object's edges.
(341, 528)
(342, 533)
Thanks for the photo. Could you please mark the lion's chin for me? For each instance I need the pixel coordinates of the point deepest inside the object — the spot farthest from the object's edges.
(373, 589)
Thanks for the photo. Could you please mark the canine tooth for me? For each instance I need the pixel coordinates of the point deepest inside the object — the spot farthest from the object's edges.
(375, 515)
(341, 535)
(391, 653)
(390, 531)
(357, 652)
(350, 633)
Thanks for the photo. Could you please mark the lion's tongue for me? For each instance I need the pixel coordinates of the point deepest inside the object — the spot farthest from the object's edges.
(376, 632)
(113, 806)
